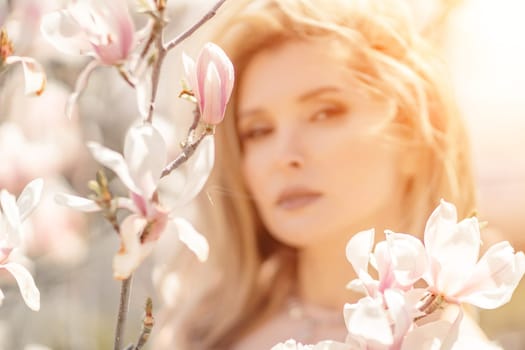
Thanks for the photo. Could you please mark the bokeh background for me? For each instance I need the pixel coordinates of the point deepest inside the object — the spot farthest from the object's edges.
(70, 253)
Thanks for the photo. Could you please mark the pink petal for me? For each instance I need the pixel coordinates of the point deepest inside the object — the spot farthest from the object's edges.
(26, 284)
(196, 242)
(29, 198)
(10, 209)
(358, 250)
(80, 85)
(442, 219)
(115, 162)
(452, 248)
(34, 75)
(191, 75)
(368, 319)
(131, 252)
(494, 278)
(224, 67)
(331, 345)
(145, 154)
(143, 89)
(427, 337)
(63, 33)
(75, 202)
(409, 258)
(213, 112)
(188, 180)
(400, 313)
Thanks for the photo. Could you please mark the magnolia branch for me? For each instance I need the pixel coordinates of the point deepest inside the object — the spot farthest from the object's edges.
(185, 154)
(162, 49)
(180, 38)
(125, 290)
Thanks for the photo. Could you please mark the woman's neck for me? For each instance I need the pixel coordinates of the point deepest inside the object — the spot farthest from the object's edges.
(323, 273)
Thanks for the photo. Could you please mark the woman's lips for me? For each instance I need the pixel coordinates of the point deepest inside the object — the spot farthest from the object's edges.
(295, 198)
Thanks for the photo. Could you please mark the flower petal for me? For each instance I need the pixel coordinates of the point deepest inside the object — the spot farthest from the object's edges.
(188, 235)
(34, 75)
(76, 202)
(494, 278)
(368, 319)
(29, 198)
(400, 313)
(145, 154)
(409, 259)
(115, 162)
(191, 74)
(80, 85)
(27, 286)
(72, 43)
(213, 112)
(452, 248)
(186, 181)
(358, 250)
(10, 210)
(131, 252)
(427, 337)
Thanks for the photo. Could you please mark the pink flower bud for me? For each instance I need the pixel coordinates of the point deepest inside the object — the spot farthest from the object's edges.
(211, 79)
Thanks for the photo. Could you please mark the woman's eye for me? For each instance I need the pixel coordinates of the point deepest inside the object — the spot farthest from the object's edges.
(255, 133)
(327, 113)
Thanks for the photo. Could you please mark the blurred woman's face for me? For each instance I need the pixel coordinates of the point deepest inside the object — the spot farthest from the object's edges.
(314, 158)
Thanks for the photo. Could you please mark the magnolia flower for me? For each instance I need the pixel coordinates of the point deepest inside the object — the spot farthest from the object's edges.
(391, 274)
(140, 170)
(211, 80)
(34, 75)
(324, 345)
(97, 28)
(14, 212)
(454, 270)
(102, 29)
(387, 324)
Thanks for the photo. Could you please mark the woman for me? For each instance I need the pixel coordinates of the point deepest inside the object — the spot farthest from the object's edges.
(339, 122)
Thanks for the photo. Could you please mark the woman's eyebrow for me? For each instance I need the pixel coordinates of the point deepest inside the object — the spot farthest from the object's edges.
(317, 92)
(308, 95)
(251, 112)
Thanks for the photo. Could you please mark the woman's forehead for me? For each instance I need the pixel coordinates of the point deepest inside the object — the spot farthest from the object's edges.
(296, 68)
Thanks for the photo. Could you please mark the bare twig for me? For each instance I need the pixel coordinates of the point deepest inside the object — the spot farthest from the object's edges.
(147, 325)
(158, 29)
(162, 49)
(187, 151)
(180, 38)
(125, 291)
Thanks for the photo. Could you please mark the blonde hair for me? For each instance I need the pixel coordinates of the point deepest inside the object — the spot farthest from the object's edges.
(392, 60)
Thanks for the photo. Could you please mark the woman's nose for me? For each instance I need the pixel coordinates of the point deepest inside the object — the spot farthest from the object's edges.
(290, 153)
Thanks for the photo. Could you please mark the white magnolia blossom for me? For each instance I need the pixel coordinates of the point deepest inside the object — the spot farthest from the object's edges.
(447, 260)
(14, 212)
(140, 169)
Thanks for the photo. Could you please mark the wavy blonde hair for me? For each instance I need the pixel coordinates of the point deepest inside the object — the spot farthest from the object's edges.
(249, 274)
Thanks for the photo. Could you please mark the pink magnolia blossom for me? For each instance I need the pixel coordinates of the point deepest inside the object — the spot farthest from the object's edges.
(211, 79)
(324, 345)
(396, 270)
(14, 212)
(454, 270)
(375, 324)
(97, 28)
(140, 170)
(102, 29)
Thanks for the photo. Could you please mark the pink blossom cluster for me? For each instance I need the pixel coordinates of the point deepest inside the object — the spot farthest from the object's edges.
(417, 279)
